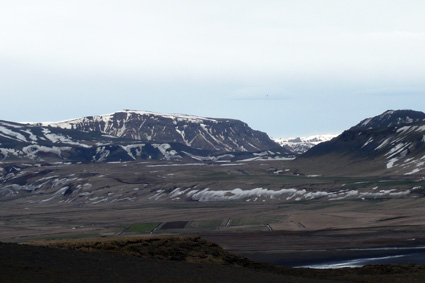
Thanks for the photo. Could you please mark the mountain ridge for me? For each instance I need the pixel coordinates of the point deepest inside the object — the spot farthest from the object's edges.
(218, 134)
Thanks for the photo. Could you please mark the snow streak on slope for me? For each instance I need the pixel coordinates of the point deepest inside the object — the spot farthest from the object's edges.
(402, 149)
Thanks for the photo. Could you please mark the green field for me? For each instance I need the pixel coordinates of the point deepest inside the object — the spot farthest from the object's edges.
(142, 227)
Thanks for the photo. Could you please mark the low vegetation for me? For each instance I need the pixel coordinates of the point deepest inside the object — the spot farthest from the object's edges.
(181, 248)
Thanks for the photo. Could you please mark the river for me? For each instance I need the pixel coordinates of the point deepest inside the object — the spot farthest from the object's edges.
(340, 258)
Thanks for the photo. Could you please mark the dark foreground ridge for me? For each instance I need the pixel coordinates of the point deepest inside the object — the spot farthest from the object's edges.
(166, 259)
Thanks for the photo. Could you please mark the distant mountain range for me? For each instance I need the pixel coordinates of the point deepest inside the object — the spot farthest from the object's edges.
(391, 143)
(131, 135)
(300, 145)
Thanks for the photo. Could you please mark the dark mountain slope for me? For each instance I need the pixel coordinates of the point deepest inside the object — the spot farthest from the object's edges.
(391, 143)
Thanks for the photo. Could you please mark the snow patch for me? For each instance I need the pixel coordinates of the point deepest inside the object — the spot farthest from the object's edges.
(11, 134)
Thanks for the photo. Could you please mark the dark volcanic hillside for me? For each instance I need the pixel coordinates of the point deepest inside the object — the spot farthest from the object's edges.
(393, 142)
(223, 135)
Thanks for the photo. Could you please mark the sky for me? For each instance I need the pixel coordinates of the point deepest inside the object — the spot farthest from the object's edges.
(287, 68)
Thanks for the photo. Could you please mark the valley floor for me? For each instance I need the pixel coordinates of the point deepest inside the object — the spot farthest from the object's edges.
(266, 210)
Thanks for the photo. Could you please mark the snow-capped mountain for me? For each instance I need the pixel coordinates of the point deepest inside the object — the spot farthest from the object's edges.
(223, 135)
(300, 145)
(393, 141)
(130, 135)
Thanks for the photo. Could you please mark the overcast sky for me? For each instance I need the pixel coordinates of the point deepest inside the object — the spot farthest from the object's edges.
(288, 68)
